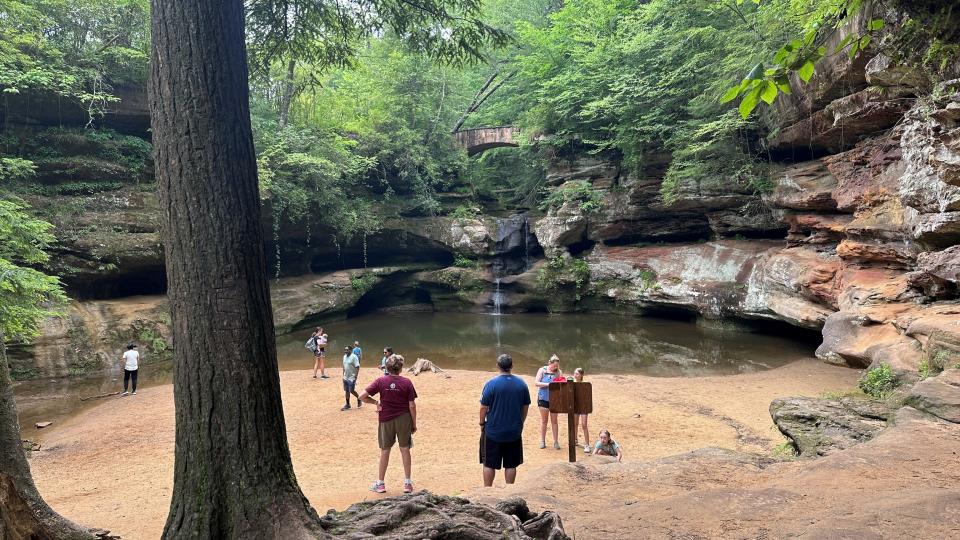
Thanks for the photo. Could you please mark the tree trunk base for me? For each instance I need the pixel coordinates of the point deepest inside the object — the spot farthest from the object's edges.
(22, 518)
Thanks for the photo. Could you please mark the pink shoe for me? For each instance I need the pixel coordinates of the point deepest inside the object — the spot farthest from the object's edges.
(378, 487)
(408, 487)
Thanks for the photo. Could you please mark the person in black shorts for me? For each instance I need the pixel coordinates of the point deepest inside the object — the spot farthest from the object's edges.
(504, 404)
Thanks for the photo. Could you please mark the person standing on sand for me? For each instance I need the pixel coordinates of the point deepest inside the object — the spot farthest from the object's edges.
(320, 355)
(545, 376)
(131, 365)
(357, 351)
(397, 413)
(582, 418)
(387, 353)
(351, 370)
(504, 404)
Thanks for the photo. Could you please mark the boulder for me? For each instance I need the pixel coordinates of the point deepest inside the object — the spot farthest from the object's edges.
(804, 186)
(854, 340)
(939, 396)
(937, 273)
(868, 171)
(841, 124)
(882, 70)
(819, 427)
(427, 516)
(931, 152)
(556, 233)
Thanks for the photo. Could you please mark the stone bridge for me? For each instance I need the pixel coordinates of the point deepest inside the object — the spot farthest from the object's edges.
(477, 140)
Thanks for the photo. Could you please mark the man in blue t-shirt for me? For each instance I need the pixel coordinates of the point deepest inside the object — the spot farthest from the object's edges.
(504, 403)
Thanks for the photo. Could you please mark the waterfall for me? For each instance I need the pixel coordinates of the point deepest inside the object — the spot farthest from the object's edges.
(526, 243)
(497, 298)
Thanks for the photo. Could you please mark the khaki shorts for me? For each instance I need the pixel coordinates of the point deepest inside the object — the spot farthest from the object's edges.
(396, 430)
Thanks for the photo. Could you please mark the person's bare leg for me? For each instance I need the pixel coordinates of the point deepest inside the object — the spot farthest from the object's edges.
(544, 413)
(510, 475)
(316, 365)
(554, 428)
(405, 457)
(322, 370)
(384, 461)
(488, 476)
(586, 431)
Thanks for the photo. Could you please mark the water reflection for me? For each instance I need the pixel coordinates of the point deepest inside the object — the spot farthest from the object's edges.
(598, 343)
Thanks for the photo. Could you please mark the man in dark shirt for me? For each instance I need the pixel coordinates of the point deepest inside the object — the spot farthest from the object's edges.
(504, 403)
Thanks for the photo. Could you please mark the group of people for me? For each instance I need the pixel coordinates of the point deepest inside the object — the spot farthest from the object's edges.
(504, 403)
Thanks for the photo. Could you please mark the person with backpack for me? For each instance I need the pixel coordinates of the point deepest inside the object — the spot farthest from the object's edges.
(318, 345)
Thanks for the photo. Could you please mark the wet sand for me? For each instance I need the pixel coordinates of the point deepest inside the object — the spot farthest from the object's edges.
(111, 466)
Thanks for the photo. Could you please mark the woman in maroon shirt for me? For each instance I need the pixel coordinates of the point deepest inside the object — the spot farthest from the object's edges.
(397, 413)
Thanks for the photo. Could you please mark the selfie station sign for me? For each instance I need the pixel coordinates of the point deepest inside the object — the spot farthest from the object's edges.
(571, 398)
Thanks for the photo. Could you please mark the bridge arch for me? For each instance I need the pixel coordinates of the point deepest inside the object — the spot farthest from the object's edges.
(477, 140)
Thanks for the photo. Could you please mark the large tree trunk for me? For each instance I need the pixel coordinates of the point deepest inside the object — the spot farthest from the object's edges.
(23, 513)
(233, 477)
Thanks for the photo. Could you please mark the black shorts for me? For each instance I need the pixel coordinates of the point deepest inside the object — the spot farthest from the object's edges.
(543, 403)
(495, 455)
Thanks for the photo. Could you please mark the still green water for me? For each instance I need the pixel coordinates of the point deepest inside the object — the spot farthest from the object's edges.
(598, 343)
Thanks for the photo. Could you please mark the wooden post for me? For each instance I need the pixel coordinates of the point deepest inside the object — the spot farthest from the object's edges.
(571, 399)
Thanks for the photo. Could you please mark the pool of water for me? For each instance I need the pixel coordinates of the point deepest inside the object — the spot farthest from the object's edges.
(598, 343)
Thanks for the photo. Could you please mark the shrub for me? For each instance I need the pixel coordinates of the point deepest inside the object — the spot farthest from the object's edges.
(581, 192)
(363, 282)
(560, 272)
(462, 261)
(878, 382)
(465, 212)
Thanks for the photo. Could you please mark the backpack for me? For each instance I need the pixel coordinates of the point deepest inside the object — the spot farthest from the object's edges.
(311, 343)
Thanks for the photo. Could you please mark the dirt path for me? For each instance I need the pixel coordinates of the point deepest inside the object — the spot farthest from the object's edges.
(112, 466)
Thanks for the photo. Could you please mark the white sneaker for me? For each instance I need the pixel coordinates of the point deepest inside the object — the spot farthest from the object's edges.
(124, 393)
(586, 449)
(134, 393)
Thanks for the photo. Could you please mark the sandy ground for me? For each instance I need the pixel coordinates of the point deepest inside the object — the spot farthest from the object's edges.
(112, 466)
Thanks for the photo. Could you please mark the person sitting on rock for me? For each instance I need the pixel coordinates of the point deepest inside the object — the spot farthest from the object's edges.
(606, 446)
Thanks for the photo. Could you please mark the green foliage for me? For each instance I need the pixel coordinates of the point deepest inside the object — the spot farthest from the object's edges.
(579, 193)
(16, 169)
(878, 382)
(934, 364)
(820, 19)
(362, 283)
(465, 212)
(565, 272)
(785, 450)
(27, 295)
(77, 49)
(462, 261)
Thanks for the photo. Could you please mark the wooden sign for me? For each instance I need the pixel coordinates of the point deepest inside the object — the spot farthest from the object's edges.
(571, 398)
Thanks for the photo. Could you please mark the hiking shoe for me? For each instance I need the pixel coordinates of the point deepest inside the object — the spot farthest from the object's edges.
(324, 377)
(345, 407)
(556, 446)
(408, 487)
(359, 403)
(124, 393)
(378, 487)
(543, 445)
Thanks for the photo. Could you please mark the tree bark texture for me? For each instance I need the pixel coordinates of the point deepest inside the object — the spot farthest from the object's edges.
(233, 477)
(23, 512)
(286, 95)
